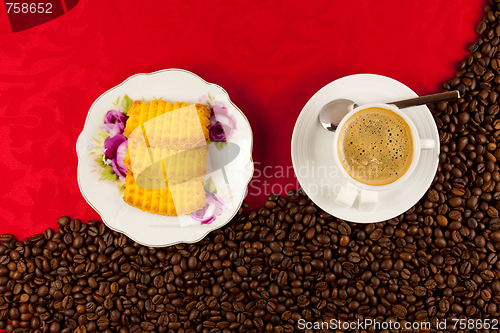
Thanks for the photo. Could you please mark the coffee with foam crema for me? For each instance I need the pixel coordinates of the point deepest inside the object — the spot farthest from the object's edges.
(375, 146)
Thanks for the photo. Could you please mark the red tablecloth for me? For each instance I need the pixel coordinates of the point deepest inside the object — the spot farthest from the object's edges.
(270, 56)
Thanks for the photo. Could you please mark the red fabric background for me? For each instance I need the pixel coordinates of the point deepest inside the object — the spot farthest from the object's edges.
(270, 56)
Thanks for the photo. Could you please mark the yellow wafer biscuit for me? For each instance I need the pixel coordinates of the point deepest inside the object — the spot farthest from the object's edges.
(166, 157)
(178, 130)
(174, 200)
(179, 165)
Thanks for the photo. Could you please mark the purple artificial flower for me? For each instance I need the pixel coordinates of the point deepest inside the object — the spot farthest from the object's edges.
(115, 149)
(117, 164)
(216, 131)
(114, 122)
(118, 170)
(206, 214)
(212, 209)
(111, 145)
(227, 120)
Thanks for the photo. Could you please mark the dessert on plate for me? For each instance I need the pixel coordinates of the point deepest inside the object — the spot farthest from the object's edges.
(166, 157)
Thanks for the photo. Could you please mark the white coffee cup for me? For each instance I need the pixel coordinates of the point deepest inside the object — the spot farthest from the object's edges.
(369, 193)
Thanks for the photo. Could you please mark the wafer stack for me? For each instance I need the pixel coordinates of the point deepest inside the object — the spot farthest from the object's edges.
(166, 156)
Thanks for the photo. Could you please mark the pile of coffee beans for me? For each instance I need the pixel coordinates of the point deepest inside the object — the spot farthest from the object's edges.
(265, 271)
(287, 262)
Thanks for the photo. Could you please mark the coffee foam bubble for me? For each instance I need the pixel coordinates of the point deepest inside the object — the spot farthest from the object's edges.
(376, 147)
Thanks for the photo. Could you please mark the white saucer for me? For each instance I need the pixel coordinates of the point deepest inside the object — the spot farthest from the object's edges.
(312, 149)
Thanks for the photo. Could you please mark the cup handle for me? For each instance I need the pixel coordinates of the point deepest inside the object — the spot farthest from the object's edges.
(427, 144)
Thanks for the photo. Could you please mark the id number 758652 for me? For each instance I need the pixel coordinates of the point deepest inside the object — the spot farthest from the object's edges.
(24, 8)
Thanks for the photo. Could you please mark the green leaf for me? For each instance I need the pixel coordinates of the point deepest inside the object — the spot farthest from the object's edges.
(210, 186)
(108, 174)
(126, 103)
(100, 161)
(102, 134)
(121, 190)
(221, 145)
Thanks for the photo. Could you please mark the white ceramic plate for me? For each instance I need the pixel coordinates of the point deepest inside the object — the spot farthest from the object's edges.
(312, 149)
(149, 229)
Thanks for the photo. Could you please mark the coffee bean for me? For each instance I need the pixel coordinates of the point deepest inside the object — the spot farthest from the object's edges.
(78, 242)
(354, 257)
(344, 228)
(67, 302)
(344, 240)
(323, 239)
(399, 311)
(63, 220)
(48, 233)
(147, 326)
(103, 323)
(465, 268)
(75, 225)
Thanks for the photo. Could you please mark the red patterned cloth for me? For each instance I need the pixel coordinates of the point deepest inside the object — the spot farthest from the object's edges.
(270, 56)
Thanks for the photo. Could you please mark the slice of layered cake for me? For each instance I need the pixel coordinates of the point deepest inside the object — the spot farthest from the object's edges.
(166, 156)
